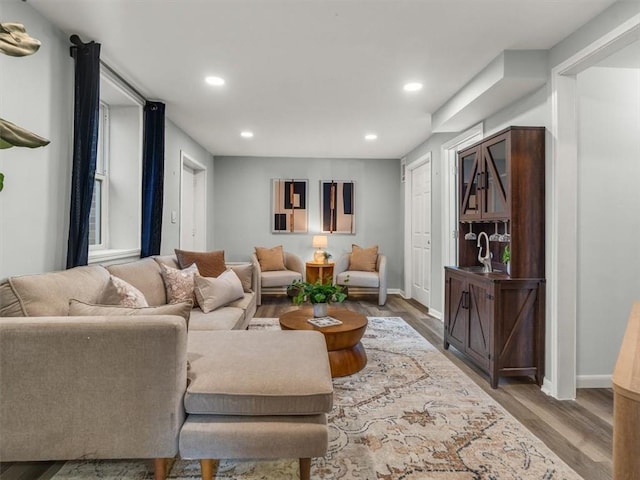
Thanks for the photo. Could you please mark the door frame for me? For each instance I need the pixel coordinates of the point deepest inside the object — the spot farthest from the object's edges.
(199, 199)
(449, 154)
(562, 203)
(408, 210)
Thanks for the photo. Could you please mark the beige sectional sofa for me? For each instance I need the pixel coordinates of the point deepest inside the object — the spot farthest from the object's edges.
(96, 386)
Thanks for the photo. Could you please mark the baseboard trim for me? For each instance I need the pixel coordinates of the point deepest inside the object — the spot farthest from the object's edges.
(593, 381)
(395, 291)
(436, 314)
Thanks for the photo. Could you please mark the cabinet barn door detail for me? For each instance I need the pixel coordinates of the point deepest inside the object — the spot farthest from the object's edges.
(480, 321)
(457, 311)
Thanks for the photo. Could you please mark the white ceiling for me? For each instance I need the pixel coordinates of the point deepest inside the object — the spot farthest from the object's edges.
(310, 77)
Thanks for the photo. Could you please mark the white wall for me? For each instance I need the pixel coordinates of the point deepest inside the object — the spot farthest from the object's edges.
(36, 93)
(608, 215)
(242, 206)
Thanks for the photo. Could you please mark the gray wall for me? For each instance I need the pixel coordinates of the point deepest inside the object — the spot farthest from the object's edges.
(433, 145)
(36, 93)
(175, 142)
(608, 219)
(242, 206)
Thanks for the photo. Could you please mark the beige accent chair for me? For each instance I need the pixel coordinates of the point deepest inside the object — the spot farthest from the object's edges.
(366, 280)
(277, 281)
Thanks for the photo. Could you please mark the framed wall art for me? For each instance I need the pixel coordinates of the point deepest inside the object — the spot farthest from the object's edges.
(289, 205)
(337, 206)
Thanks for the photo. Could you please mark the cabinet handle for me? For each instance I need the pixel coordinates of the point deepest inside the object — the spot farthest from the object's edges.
(479, 181)
(465, 300)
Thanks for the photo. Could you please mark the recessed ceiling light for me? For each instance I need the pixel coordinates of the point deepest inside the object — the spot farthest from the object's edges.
(412, 87)
(370, 136)
(215, 81)
(246, 134)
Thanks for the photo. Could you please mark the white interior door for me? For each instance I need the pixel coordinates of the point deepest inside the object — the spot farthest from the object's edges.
(421, 232)
(193, 197)
(187, 218)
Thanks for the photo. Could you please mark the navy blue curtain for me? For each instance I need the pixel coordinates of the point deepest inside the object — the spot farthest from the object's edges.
(85, 147)
(152, 178)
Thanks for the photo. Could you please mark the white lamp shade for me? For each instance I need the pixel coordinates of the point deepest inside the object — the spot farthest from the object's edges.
(319, 241)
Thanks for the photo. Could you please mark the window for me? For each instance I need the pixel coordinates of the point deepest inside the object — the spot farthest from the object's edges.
(98, 218)
(114, 230)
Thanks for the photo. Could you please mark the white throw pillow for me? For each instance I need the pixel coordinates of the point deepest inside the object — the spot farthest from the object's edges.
(216, 292)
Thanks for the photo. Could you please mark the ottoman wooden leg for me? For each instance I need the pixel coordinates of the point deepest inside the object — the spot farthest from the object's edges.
(208, 468)
(305, 468)
(160, 469)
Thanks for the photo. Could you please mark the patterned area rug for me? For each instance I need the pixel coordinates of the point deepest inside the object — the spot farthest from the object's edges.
(409, 414)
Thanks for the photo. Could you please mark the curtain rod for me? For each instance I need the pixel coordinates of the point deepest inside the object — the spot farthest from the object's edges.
(120, 79)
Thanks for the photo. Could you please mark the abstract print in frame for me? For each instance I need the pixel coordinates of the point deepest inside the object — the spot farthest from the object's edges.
(289, 206)
(337, 207)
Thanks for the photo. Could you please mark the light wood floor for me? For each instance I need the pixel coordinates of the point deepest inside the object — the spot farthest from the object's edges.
(579, 432)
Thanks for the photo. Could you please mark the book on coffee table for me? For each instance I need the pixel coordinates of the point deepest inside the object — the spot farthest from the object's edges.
(324, 321)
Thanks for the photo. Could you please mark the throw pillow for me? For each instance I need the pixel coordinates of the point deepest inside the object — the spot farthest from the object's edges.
(214, 293)
(210, 264)
(179, 284)
(245, 274)
(78, 308)
(363, 259)
(120, 292)
(270, 259)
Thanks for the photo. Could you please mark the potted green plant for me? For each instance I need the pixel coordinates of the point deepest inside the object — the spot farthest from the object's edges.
(318, 294)
(506, 258)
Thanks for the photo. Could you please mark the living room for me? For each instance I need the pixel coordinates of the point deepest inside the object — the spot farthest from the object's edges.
(582, 290)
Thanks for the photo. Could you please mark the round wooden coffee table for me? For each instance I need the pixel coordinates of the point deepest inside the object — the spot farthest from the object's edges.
(346, 353)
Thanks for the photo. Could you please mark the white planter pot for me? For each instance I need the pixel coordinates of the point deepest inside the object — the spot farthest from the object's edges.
(320, 309)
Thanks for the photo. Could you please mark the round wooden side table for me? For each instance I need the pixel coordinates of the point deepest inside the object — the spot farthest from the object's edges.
(346, 353)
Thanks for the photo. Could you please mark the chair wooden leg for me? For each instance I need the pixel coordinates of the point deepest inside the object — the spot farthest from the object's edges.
(208, 468)
(160, 469)
(305, 468)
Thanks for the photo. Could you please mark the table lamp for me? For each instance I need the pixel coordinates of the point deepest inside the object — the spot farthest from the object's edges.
(319, 242)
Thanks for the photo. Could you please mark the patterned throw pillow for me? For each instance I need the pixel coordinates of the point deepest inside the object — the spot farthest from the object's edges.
(179, 284)
(120, 292)
(214, 293)
(210, 264)
(363, 259)
(270, 259)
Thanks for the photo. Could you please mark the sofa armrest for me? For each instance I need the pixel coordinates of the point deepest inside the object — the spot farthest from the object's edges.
(257, 276)
(341, 265)
(294, 263)
(381, 267)
(91, 387)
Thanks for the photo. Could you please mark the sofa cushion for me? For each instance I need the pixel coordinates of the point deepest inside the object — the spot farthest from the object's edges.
(210, 264)
(279, 278)
(179, 284)
(145, 275)
(217, 292)
(245, 274)
(120, 292)
(279, 383)
(224, 318)
(270, 258)
(363, 259)
(358, 279)
(48, 294)
(80, 309)
(168, 260)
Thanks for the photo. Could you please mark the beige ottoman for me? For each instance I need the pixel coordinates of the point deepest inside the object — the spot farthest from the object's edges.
(256, 395)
